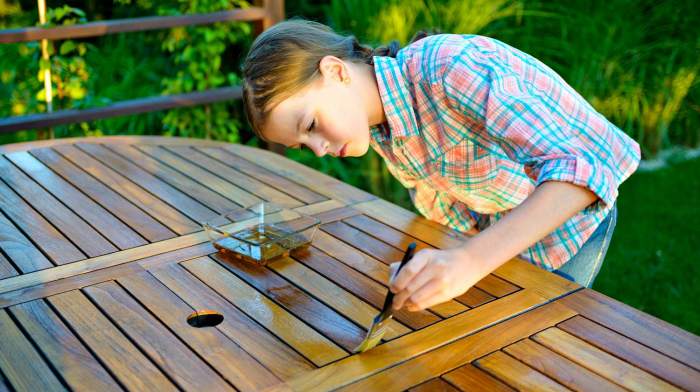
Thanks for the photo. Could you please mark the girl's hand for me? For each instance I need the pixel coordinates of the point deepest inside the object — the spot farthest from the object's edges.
(434, 276)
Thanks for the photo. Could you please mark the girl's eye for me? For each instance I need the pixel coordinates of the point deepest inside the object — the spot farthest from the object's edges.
(311, 126)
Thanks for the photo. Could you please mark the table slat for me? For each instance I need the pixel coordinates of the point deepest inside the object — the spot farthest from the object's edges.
(449, 343)
(333, 325)
(94, 214)
(475, 297)
(25, 256)
(491, 284)
(41, 232)
(334, 296)
(306, 340)
(360, 285)
(181, 365)
(632, 352)
(602, 363)
(273, 353)
(157, 208)
(182, 187)
(71, 225)
(268, 177)
(303, 175)
(436, 384)
(638, 326)
(470, 378)
(226, 357)
(6, 268)
(166, 192)
(136, 218)
(20, 363)
(77, 366)
(202, 167)
(559, 368)
(516, 374)
(125, 362)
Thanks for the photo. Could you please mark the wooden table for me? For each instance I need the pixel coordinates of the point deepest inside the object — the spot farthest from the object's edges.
(103, 259)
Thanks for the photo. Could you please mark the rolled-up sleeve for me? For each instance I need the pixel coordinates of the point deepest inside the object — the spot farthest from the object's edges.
(529, 114)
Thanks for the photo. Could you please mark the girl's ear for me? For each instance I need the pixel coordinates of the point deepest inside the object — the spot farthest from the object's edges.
(333, 68)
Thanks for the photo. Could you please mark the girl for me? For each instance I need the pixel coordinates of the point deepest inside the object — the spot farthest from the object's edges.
(487, 139)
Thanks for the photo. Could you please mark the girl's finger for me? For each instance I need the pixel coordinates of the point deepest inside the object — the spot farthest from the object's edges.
(399, 299)
(410, 270)
(393, 268)
(423, 277)
(426, 296)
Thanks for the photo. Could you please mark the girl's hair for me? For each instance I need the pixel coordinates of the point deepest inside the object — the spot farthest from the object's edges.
(285, 58)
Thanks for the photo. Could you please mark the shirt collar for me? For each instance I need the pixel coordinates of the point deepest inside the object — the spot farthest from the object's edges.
(396, 99)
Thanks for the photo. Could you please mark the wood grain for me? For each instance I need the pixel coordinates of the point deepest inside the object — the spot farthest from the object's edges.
(608, 366)
(72, 226)
(293, 331)
(124, 361)
(194, 163)
(21, 363)
(635, 325)
(121, 257)
(19, 248)
(137, 219)
(334, 296)
(470, 378)
(632, 352)
(227, 358)
(6, 268)
(118, 233)
(273, 353)
(516, 374)
(191, 180)
(303, 175)
(447, 357)
(439, 335)
(324, 319)
(42, 233)
(76, 365)
(360, 285)
(268, 177)
(558, 368)
(187, 370)
(436, 384)
(116, 180)
(166, 192)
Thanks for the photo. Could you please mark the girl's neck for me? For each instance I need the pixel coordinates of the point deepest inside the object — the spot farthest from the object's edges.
(369, 91)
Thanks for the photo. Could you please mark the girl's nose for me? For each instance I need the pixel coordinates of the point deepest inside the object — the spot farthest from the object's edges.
(318, 146)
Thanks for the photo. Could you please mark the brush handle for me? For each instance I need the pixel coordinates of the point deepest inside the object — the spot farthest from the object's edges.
(408, 255)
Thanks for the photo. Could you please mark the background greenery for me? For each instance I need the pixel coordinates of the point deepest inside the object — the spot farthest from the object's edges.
(636, 61)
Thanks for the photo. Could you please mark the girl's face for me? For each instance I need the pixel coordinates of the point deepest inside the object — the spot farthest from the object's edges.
(330, 116)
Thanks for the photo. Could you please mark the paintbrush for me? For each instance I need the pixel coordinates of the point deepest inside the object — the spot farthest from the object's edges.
(379, 324)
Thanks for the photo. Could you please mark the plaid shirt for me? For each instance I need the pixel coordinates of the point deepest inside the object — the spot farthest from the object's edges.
(474, 126)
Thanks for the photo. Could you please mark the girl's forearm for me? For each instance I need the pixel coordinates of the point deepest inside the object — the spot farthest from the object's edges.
(547, 208)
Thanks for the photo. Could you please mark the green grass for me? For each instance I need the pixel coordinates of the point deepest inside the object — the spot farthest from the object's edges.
(653, 262)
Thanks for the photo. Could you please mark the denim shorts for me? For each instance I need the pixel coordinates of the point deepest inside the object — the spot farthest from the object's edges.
(585, 265)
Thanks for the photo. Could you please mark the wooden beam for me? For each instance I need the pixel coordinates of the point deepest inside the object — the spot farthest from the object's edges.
(122, 108)
(95, 29)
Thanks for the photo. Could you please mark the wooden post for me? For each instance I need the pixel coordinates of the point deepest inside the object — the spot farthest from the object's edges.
(42, 134)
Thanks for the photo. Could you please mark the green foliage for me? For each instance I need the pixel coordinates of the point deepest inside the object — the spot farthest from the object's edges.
(198, 53)
(23, 89)
(128, 66)
(652, 261)
(636, 62)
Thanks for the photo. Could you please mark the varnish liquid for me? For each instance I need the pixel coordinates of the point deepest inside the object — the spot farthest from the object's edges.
(264, 243)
